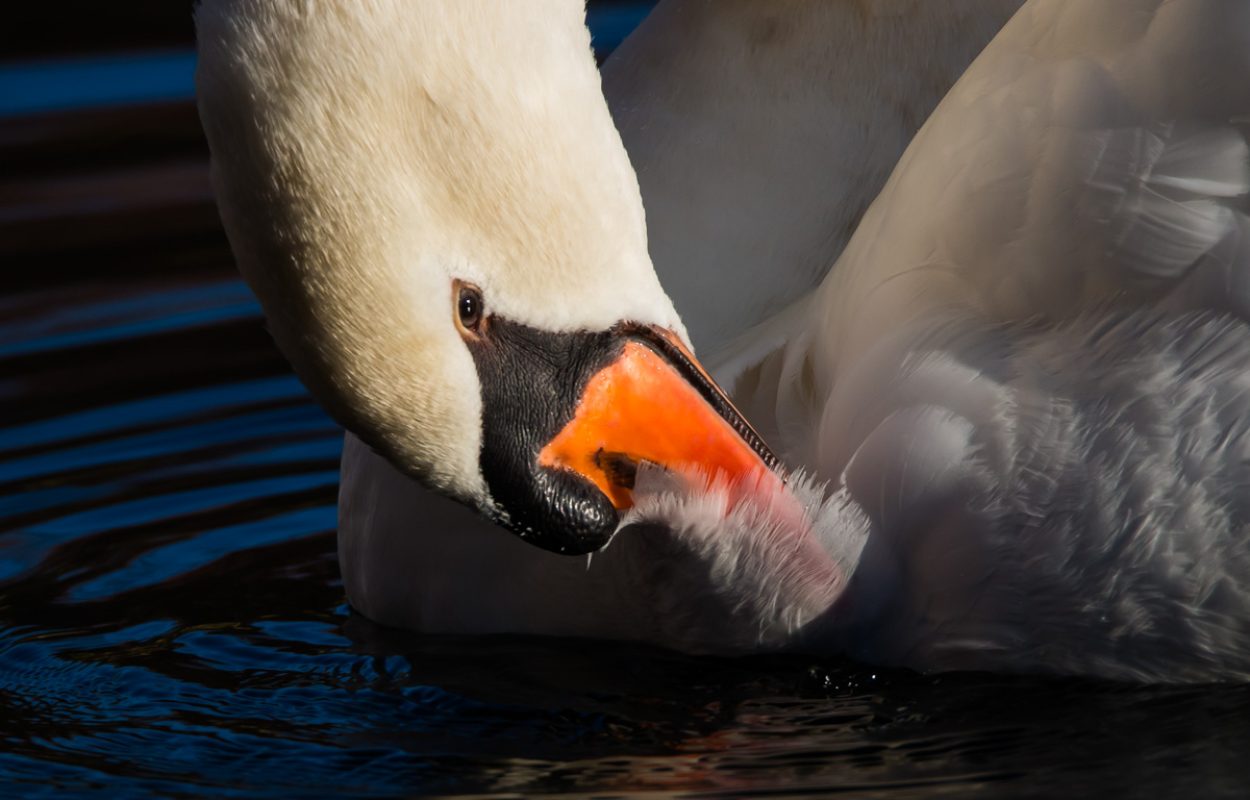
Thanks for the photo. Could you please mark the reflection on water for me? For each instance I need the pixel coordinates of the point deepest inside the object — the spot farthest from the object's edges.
(172, 620)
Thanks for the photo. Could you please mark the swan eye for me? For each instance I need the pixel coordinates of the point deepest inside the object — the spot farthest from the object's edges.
(469, 307)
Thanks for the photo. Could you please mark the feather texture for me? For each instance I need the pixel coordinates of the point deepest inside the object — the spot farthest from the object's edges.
(725, 576)
(1024, 379)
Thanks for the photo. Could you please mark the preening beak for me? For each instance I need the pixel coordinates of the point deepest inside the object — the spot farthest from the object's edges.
(655, 403)
(567, 417)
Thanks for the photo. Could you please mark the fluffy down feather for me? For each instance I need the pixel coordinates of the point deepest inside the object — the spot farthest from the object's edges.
(725, 576)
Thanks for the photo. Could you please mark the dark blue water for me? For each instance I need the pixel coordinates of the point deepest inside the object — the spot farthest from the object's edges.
(172, 622)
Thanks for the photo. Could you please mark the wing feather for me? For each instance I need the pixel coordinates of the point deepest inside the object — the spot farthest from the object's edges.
(1095, 152)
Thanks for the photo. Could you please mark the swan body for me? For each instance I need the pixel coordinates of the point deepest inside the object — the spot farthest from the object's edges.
(1020, 392)
(1049, 293)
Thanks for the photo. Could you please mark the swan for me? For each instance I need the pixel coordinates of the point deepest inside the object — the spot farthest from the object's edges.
(1023, 380)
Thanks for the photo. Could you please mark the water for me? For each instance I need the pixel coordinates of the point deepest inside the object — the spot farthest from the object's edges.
(172, 620)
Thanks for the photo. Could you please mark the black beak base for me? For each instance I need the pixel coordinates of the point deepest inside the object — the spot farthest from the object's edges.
(531, 383)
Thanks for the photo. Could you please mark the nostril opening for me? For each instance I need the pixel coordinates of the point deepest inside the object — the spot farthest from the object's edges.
(618, 468)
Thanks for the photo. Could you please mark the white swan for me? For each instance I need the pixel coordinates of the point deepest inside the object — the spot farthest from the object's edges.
(1026, 375)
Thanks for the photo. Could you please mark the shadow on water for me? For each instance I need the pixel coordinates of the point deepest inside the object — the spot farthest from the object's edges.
(172, 619)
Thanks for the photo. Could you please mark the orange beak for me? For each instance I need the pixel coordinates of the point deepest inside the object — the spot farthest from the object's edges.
(656, 403)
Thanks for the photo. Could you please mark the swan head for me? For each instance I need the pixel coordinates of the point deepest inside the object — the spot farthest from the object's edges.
(444, 231)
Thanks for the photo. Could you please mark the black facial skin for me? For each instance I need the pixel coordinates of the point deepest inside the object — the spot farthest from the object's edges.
(532, 381)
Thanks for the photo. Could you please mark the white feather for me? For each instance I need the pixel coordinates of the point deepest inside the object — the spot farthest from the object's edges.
(720, 575)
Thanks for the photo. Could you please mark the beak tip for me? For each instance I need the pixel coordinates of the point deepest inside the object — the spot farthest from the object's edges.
(579, 519)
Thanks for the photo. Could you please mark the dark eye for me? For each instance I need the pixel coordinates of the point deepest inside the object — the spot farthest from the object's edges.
(469, 307)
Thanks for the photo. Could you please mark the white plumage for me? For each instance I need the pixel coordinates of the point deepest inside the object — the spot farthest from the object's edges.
(1030, 364)
(1026, 380)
